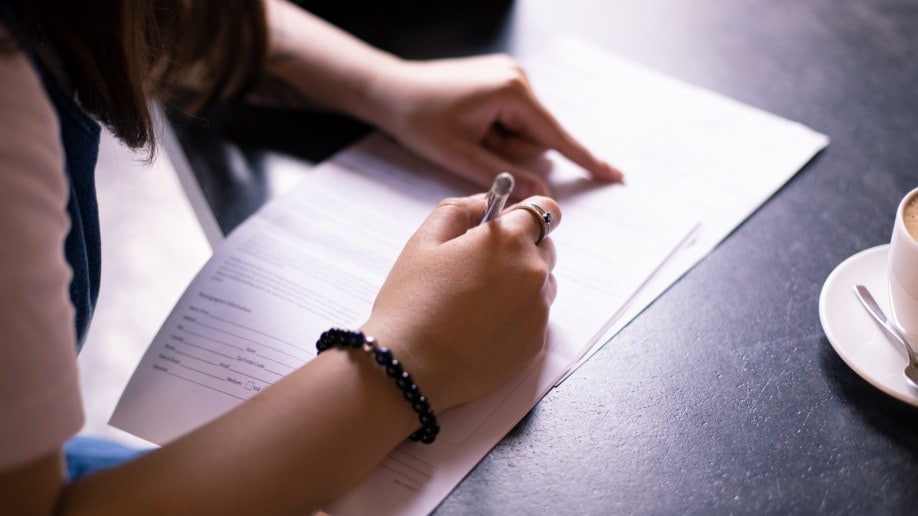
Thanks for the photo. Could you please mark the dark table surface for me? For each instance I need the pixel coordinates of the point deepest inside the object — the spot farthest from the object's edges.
(724, 396)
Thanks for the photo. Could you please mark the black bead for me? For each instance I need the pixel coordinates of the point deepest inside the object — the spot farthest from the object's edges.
(383, 356)
(355, 340)
(403, 380)
(394, 369)
(411, 393)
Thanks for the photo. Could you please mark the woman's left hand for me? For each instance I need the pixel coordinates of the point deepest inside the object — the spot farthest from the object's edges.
(477, 117)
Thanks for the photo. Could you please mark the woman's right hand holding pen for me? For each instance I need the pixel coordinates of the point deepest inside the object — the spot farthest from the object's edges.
(466, 306)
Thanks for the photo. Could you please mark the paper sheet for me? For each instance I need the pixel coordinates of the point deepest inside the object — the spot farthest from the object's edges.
(714, 157)
(314, 258)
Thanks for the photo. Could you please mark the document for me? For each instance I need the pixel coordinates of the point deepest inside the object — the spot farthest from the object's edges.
(315, 257)
(714, 157)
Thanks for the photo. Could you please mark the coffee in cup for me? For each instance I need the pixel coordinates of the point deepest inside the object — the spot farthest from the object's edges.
(910, 216)
(903, 265)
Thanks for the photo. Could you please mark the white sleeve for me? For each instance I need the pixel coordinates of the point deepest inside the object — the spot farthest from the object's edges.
(40, 403)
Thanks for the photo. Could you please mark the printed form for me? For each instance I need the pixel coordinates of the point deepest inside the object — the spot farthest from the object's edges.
(315, 257)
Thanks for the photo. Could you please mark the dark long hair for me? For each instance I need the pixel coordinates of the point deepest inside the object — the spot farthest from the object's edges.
(118, 55)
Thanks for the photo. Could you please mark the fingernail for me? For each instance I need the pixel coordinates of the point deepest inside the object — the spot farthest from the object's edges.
(613, 174)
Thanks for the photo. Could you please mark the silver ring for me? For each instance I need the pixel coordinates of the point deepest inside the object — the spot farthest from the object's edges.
(545, 218)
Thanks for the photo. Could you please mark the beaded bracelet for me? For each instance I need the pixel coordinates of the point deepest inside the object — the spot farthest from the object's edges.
(357, 340)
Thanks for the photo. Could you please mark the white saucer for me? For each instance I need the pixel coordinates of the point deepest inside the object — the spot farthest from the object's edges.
(856, 337)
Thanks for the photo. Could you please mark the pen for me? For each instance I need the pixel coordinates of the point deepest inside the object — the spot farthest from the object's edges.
(497, 196)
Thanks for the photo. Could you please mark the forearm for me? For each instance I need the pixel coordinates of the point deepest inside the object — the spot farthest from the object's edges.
(311, 62)
(292, 448)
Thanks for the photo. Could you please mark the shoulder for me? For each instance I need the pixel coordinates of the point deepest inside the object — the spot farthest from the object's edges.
(39, 398)
(31, 155)
(33, 179)
(26, 111)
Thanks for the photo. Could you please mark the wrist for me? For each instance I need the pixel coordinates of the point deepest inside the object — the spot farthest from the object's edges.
(404, 345)
(381, 105)
(428, 426)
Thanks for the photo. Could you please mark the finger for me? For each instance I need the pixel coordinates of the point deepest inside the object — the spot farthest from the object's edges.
(535, 121)
(550, 290)
(480, 165)
(451, 218)
(548, 204)
(547, 252)
(528, 223)
(575, 151)
(512, 146)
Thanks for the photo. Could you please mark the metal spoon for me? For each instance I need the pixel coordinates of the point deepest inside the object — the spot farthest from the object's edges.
(911, 370)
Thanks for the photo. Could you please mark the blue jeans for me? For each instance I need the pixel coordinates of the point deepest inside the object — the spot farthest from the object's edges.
(88, 454)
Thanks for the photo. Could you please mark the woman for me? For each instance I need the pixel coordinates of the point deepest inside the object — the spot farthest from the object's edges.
(463, 307)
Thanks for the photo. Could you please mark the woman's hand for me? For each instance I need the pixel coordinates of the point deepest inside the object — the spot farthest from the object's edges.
(477, 117)
(464, 309)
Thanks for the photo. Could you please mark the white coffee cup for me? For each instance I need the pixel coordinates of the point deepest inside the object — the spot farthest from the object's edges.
(903, 265)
